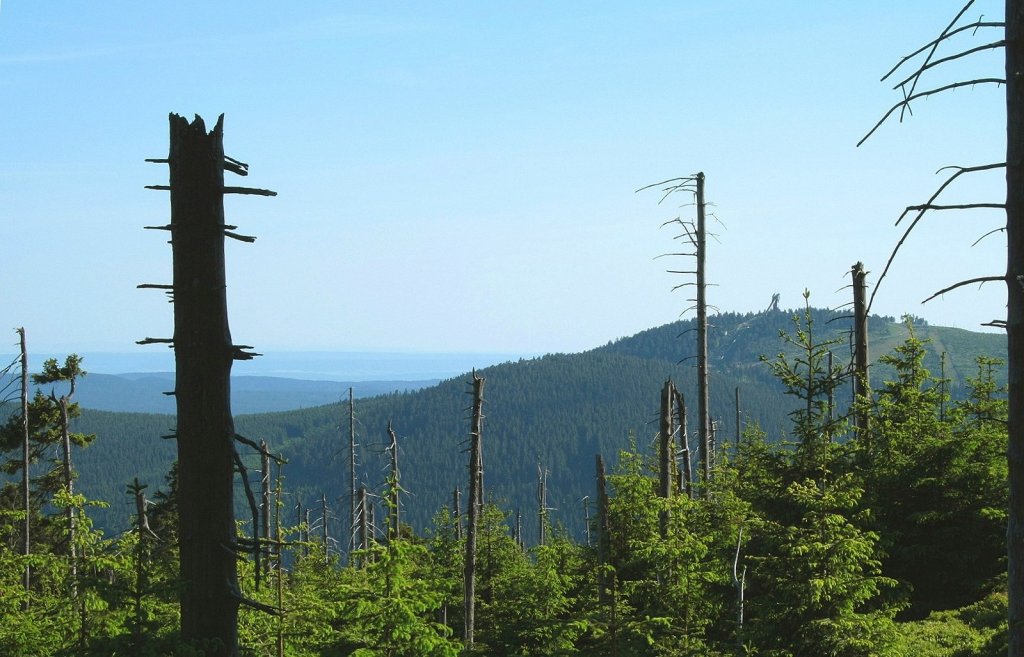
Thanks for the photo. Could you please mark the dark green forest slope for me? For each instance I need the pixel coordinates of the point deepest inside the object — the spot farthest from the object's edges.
(558, 410)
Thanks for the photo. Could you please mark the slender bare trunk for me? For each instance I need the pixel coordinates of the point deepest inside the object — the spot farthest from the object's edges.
(353, 492)
(395, 524)
(475, 506)
(861, 385)
(686, 469)
(666, 452)
(1015, 314)
(703, 406)
(26, 545)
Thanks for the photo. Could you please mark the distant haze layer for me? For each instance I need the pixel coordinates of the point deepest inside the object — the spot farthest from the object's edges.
(311, 365)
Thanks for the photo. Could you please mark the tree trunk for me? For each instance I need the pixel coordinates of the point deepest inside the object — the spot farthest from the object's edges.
(395, 524)
(264, 531)
(703, 406)
(666, 452)
(1015, 314)
(352, 472)
(686, 469)
(603, 537)
(861, 387)
(203, 356)
(475, 504)
(26, 500)
(542, 503)
(457, 512)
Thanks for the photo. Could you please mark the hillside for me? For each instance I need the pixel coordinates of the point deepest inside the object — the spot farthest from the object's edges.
(558, 410)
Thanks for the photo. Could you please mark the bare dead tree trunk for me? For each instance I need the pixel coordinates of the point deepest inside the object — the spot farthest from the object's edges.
(395, 524)
(352, 471)
(364, 519)
(457, 512)
(1015, 313)
(739, 582)
(278, 565)
(264, 530)
(739, 427)
(69, 483)
(323, 528)
(666, 452)
(203, 357)
(695, 233)
(943, 390)
(475, 506)
(137, 491)
(686, 471)
(586, 518)
(861, 383)
(26, 500)
(703, 405)
(542, 504)
(603, 537)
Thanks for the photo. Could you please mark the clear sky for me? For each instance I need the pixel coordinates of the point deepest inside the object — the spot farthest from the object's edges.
(460, 176)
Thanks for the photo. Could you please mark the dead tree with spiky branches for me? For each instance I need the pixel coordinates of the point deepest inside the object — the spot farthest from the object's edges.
(695, 236)
(204, 354)
(921, 62)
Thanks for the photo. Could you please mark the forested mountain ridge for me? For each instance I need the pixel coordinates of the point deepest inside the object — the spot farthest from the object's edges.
(557, 411)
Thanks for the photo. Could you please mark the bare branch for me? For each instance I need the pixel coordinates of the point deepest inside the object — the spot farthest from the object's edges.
(959, 171)
(991, 232)
(981, 280)
(924, 94)
(930, 205)
(241, 238)
(975, 26)
(935, 46)
(249, 190)
(155, 341)
(959, 206)
(988, 46)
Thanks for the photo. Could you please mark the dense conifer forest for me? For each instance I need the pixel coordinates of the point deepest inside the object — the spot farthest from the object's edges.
(810, 538)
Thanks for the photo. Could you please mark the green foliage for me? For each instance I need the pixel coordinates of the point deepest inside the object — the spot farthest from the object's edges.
(808, 541)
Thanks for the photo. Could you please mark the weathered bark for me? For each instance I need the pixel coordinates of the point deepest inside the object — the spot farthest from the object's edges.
(666, 452)
(586, 518)
(861, 388)
(203, 357)
(395, 517)
(542, 504)
(475, 507)
(264, 530)
(686, 470)
(324, 536)
(603, 536)
(703, 405)
(1015, 314)
(69, 483)
(352, 473)
(364, 520)
(457, 512)
(26, 502)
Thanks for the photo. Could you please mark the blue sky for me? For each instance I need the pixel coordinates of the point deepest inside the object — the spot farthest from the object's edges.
(459, 177)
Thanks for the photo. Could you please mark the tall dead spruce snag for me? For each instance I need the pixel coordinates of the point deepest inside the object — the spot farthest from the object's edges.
(203, 354)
